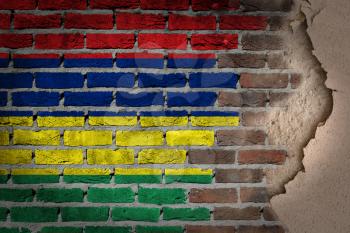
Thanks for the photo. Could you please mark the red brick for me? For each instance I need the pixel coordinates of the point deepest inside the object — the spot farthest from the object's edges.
(62, 4)
(260, 229)
(210, 229)
(24, 21)
(255, 194)
(110, 41)
(185, 22)
(254, 118)
(238, 175)
(269, 214)
(277, 61)
(262, 157)
(243, 22)
(165, 4)
(227, 213)
(17, 4)
(241, 60)
(59, 41)
(5, 21)
(278, 23)
(262, 42)
(88, 21)
(114, 4)
(211, 156)
(15, 41)
(218, 195)
(266, 5)
(214, 41)
(203, 5)
(240, 137)
(243, 99)
(162, 41)
(249, 80)
(127, 21)
(295, 81)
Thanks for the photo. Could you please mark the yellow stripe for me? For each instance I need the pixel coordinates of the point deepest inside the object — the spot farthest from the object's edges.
(44, 137)
(188, 171)
(163, 121)
(161, 156)
(86, 171)
(21, 121)
(87, 138)
(137, 171)
(113, 121)
(4, 138)
(29, 171)
(107, 156)
(190, 138)
(58, 157)
(139, 138)
(214, 121)
(49, 121)
(4, 172)
(15, 156)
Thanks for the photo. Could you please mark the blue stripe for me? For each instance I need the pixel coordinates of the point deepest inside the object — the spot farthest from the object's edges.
(110, 80)
(4, 62)
(111, 114)
(16, 80)
(165, 113)
(208, 80)
(88, 62)
(140, 63)
(161, 80)
(16, 113)
(143, 99)
(35, 99)
(191, 63)
(88, 98)
(193, 99)
(61, 114)
(215, 113)
(3, 98)
(36, 63)
(59, 80)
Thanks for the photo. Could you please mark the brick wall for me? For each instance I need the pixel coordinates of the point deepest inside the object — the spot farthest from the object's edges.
(141, 115)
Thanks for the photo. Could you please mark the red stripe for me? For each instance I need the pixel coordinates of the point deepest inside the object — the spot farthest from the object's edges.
(4, 55)
(141, 55)
(37, 56)
(191, 56)
(87, 55)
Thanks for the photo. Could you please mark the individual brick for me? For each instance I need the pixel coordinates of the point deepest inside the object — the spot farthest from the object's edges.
(35, 99)
(103, 60)
(60, 195)
(256, 195)
(34, 214)
(59, 80)
(126, 80)
(107, 195)
(213, 80)
(12, 118)
(14, 230)
(279, 99)
(104, 229)
(238, 175)
(279, 23)
(161, 80)
(262, 157)
(241, 60)
(49, 60)
(84, 214)
(4, 175)
(192, 99)
(250, 80)
(240, 137)
(164, 4)
(135, 214)
(188, 175)
(185, 22)
(277, 61)
(110, 41)
(141, 99)
(3, 98)
(159, 229)
(140, 60)
(261, 229)
(269, 214)
(15, 156)
(210, 229)
(88, 21)
(242, 99)
(205, 5)
(87, 138)
(61, 230)
(112, 4)
(130, 21)
(59, 157)
(161, 156)
(4, 138)
(214, 41)
(190, 138)
(214, 118)
(62, 5)
(254, 118)
(59, 41)
(138, 175)
(87, 175)
(16, 41)
(27, 21)
(262, 42)
(218, 195)
(163, 118)
(35, 176)
(60, 119)
(295, 81)
(109, 157)
(36, 138)
(243, 22)
(16, 80)
(88, 98)
(17, 5)
(186, 214)
(191, 60)
(211, 156)
(162, 41)
(3, 214)
(103, 118)
(4, 57)
(139, 138)
(227, 213)
(266, 5)
(161, 196)
(5, 21)
(16, 195)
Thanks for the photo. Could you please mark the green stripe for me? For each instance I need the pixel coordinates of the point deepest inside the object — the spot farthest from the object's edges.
(14, 230)
(35, 179)
(165, 229)
(4, 179)
(200, 179)
(139, 179)
(97, 229)
(61, 230)
(88, 179)
(3, 213)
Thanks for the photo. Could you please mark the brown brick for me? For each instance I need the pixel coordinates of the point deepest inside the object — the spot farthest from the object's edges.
(241, 60)
(260, 229)
(295, 81)
(244, 99)
(211, 156)
(240, 137)
(269, 214)
(210, 229)
(238, 175)
(256, 195)
(279, 99)
(213, 195)
(277, 61)
(249, 80)
(262, 42)
(262, 157)
(227, 213)
(254, 118)
(278, 23)
(266, 5)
